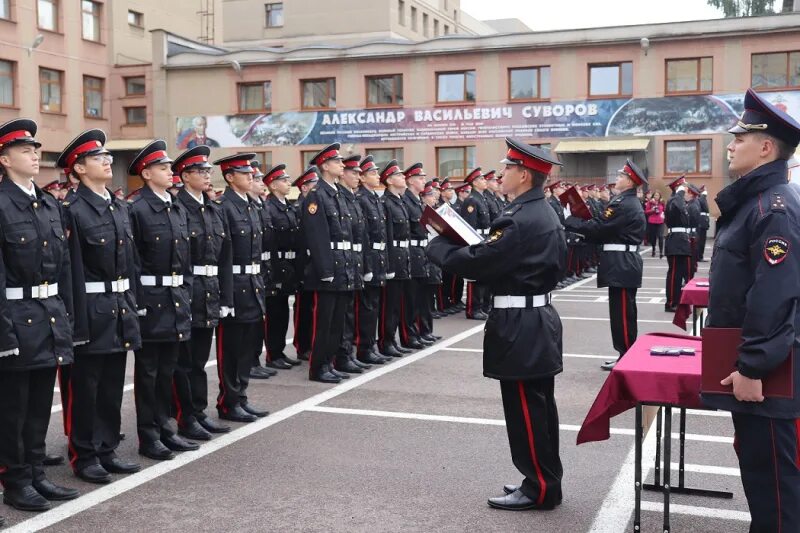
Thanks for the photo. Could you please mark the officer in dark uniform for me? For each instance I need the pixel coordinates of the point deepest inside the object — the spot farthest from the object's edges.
(286, 235)
(240, 335)
(330, 273)
(36, 332)
(521, 261)
(754, 273)
(433, 280)
(557, 189)
(303, 299)
(212, 291)
(476, 212)
(492, 201)
(677, 246)
(102, 255)
(620, 229)
(375, 264)
(693, 207)
(705, 224)
(163, 296)
(449, 197)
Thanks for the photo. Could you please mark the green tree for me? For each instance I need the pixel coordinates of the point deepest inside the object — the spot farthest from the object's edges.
(743, 8)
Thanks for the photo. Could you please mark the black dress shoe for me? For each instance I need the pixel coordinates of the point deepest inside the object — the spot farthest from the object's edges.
(122, 436)
(212, 426)
(236, 414)
(305, 356)
(371, 359)
(291, 360)
(480, 315)
(179, 444)
(53, 459)
(2, 521)
(279, 363)
(508, 489)
(253, 410)
(54, 492)
(608, 366)
(346, 365)
(259, 372)
(425, 342)
(94, 474)
(431, 337)
(326, 377)
(401, 349)
(517, 501)
(360, 364)
(156, 451)
(413, 345)
(392, 351)
(670, 308)
(25, 499)
(194, 431)
(118, 466)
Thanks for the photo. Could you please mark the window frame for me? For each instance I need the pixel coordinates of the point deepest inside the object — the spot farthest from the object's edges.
(466, 164)
(98, 18)
(762, 88)
(13, 76)
(401, 12)
(697, 157)
(538, 69)
(10, 17)
(698, 90)
(102, 91)
(268, 10)
(135, 124)
(395, 104)
(57, 12)
(303, 154)
(262, 109)
(394, 149)
(137, 15)
(457, 102)
(262, 156)
(303, 106)
(617, 64)
(134, 95)
(60, 91)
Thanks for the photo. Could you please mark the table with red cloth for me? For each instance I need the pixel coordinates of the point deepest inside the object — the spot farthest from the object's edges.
(693, 297)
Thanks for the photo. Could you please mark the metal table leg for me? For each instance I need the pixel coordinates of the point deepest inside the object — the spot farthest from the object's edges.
(637, 514)
(656, 484)
(667, 458)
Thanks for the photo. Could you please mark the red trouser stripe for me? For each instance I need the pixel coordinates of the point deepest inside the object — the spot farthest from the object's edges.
(440, 300)
(777, 478)
(177, 402)
(313, 331)
(296, 340)
(403, 326)
(453, 297)
(529, 429)
(625, 318)
(469, 299)
(220, 372)
(73, 455)
(267, 356)
(797, 450)
(357, 326)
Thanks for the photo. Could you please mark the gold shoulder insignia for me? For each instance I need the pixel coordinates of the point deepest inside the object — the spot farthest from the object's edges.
(495, 236)
(609, 212)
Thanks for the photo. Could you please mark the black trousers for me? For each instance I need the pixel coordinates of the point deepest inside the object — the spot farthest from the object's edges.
(327, 324)
(677, 275)
(532, 424)
(26, 398)
(410, 303)
(237, 342)
(623, 313)
(154, 367)
(475, 298)
(366, 313)
(768, 454)
(655, 236)
(63, 374)
(702, 236)
(303, 306)
(190, 381)
(440, 302)
(453, 288)
(349, 329)
(389, 320)
(93, 421)
(276, 325)
(428, 304)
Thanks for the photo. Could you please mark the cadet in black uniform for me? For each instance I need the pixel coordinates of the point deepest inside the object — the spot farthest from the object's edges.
(433, 280)
(303, 299)
(103, 264)
(693, 207)
(521, 261)
(330, 273)
(677, 246)
(36, 333)
(489, 195)
(163, 296)
(620, 229)
(754, 273)
(705, 224)
(375, 264)
(476, 212)
(448, 196)
(212, 292)
(240, 335)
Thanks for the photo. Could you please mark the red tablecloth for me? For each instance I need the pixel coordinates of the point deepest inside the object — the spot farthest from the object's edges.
(640, 377)
(691, 296)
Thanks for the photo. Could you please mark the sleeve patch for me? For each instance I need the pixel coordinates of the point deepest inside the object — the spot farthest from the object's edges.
(609, 212)
(776, 249)
(470, 208)
(495, 236)
(312, 208)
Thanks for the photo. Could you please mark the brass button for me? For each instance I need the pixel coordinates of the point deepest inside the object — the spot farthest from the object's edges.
(257, 291)
(124, 310)
(242, 234)
(44, 244)
(103, 240)
(180, 335)
(202, 209)
(111, 207)
(176, 241)
(208, 295)
(177, 304)
(35, 205)
(127, 345)
(120, 242)
(52, 320)
(158, 238)
(22, 239)
(158, 305)
(60, 359)
(29, 321)
(209, 237)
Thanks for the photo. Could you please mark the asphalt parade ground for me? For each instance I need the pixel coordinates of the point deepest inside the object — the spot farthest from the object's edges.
(415, 445)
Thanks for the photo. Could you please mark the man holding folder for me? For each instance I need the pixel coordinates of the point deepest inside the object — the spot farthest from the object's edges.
(754, 286)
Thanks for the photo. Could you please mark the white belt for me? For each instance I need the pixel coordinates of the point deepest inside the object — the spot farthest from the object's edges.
(97, 287)
(680, 230)
(378, 245)
(205, 270)
(266, 256)
(704, 214)
(423, 242)
(620, 248)
(344, 245)
(39, 292)
(176, 280)
(357, 247)
(483, 231)
(521, 302)
(287, 255)
(255, 268)
(401, 244)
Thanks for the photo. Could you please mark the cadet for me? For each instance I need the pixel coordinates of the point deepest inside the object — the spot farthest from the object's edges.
(35, 329)
(102, 254)
(433, 280)
(620, 229)
(303, 300)
(492, 201)
(476, 212)
(521, 261)
(693, 207)
(240, 335)
(754, 273)
(705, 224)
(677, 246)
(212, 291)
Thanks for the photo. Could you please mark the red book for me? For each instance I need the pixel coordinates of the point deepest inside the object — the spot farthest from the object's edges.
(720, 352)
(449, 224)
(577, 206)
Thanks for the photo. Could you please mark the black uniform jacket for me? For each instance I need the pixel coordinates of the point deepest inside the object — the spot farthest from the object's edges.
(557, 207)
(328, 232)
(705, 220)
(494, 204)
(475, 211)
(210, 244)
(359, 235)
(375, 258)
(676, 215)
(524, 255)
(398, 236)
(693, 208)
(417, 231)
(754, 284)
(161, 235)
(245, 226)
(286, 240)
(622, 222)
(33, 252)
(102, 251)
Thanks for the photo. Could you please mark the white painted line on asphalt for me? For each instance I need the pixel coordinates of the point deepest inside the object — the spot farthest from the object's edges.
(691, 510)
(100, 495)
(605, 319)
(604, 299)
(703, 412)
(575, 355)
(580, 283)
(708, 469)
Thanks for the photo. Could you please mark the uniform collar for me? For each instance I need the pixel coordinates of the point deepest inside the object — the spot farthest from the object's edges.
(99, 203)
(529, 196)
(236, 198)
(283, 206)
(189, 200)
(157, 203)
(31, 193)
(19, 195)
(750, 185)
(347, 192)
(412, 196)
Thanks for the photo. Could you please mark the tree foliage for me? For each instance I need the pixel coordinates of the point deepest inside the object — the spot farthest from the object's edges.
(743, 8)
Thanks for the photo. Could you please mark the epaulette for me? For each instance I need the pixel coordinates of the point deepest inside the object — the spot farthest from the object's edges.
(511, 210)
(777, 203)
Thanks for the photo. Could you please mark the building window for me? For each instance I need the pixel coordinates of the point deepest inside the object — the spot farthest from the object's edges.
(50, 90)
(435, 28)
(425, 31)
(776, 71)
(381, 156)
(319, 94)
(401, 12)
(529, 83)
(47, 14)
(255, 96)
(6, 83)
(611, 79)
(455, 86)
(455, 161)
(274, 15)
(306, 156)
(446, 29)
(688, 157)
(385, 90)
(413, 18)
(135, 19)
(136, 116)
(265, 158)
(134, 86)
(5, 9)
(93, 97)
(90, 18)
(689, 75)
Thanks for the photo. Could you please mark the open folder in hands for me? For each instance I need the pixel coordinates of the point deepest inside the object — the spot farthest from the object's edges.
(449, 224)
(577, 205)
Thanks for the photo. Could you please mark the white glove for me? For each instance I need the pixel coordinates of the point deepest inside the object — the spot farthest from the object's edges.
(80, 343)
(681, 188)
(390, 275)
(15, 351)
(225, 312)
(328, 280)
(141, 312)
(368, 276)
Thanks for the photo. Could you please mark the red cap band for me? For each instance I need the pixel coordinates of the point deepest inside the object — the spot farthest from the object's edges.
(368, 166)
(528, 161)
(325, 156)
(14, 135)
(275, 174)
(394, 169)
(189, 161)
(234, 163)
(351, 164)
(414, 172)
(631, 174)
(149, 158)
(472, 176)
(305, 179)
